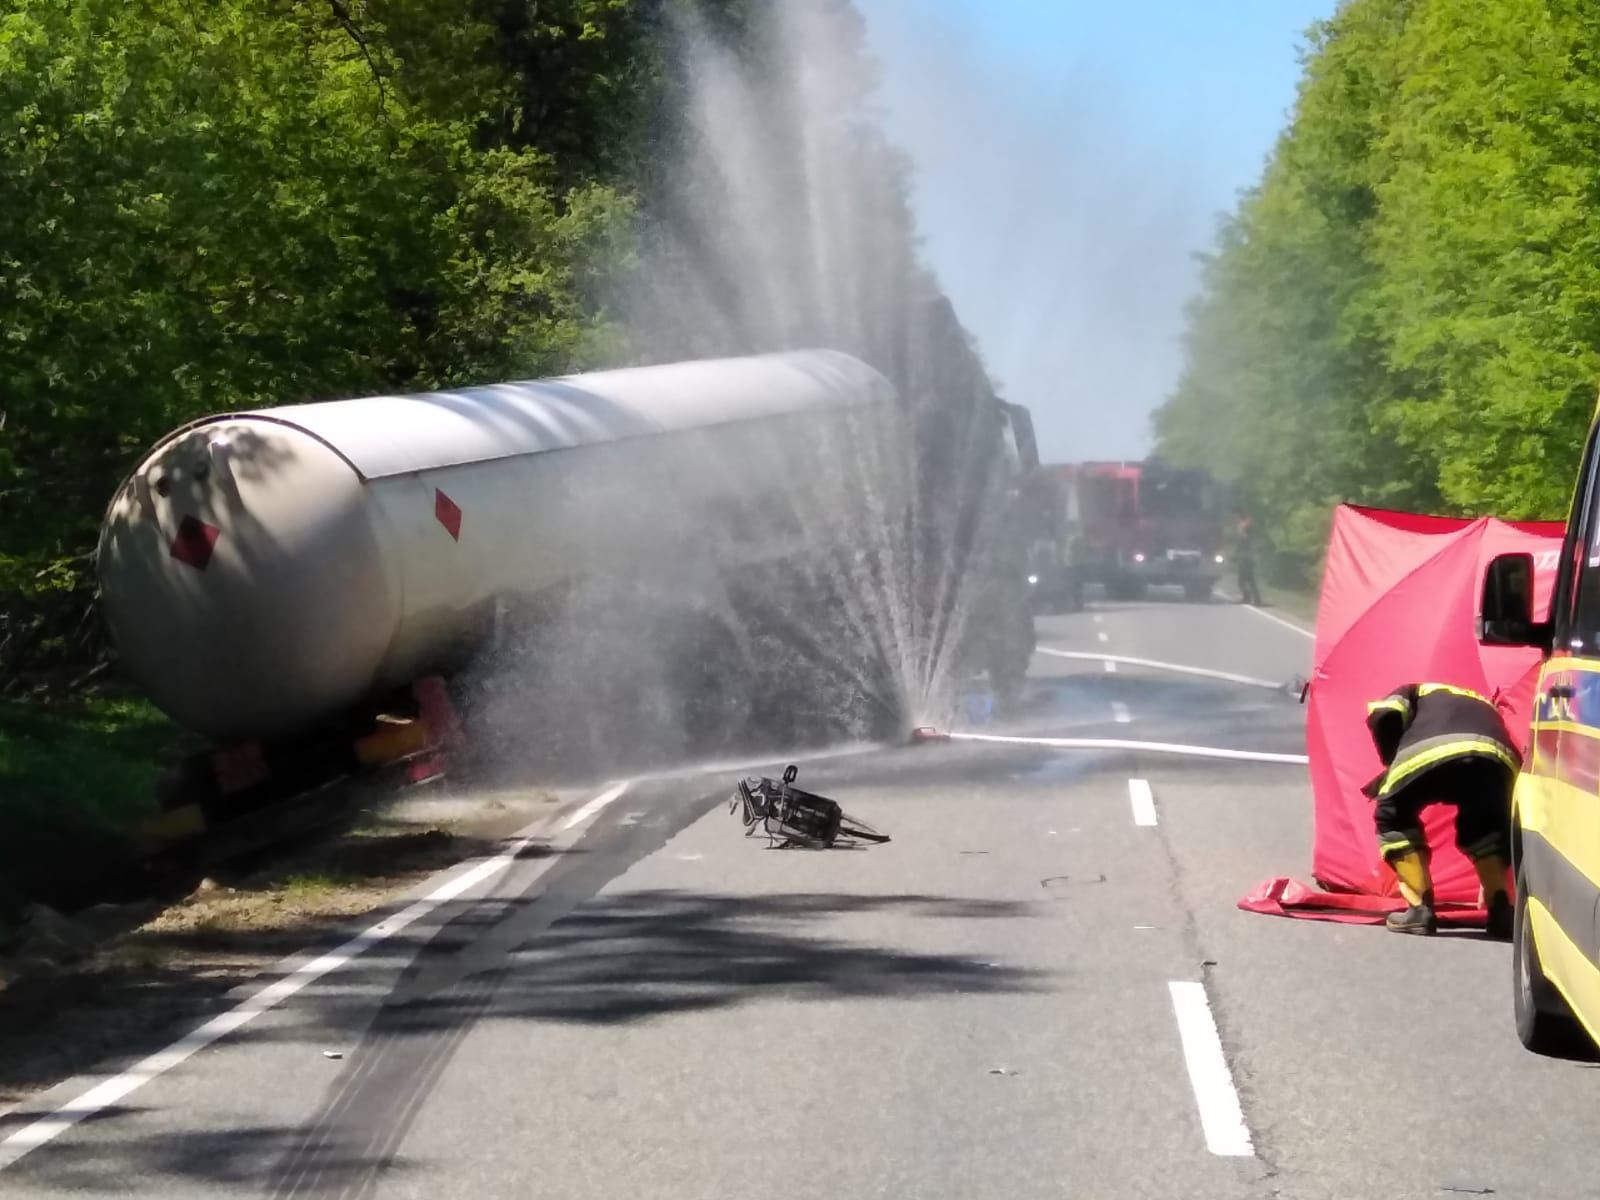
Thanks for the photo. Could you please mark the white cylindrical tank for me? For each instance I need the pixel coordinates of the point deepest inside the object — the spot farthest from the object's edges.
(263, 571)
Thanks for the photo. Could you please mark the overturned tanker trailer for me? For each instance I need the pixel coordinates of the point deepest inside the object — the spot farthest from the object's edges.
(300, 585)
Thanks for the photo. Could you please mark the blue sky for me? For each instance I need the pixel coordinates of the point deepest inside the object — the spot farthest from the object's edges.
(1070, 158)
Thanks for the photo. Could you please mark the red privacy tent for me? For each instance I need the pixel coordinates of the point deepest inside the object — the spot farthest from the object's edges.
(1399, 605)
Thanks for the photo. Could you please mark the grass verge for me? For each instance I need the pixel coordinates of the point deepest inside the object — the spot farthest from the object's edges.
(75, 777)
(1297, 604)
(155, 967)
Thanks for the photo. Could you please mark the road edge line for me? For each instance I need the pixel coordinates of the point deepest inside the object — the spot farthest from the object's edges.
(294, 973)
(1284, 621)
(1178, 748)
(1160, 665)
(594, 806)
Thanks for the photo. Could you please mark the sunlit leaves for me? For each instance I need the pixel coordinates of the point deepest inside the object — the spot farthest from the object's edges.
(1407, 310)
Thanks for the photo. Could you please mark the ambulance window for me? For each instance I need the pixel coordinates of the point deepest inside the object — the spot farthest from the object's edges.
(1577, 611)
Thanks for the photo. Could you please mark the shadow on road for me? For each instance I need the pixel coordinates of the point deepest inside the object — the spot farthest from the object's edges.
(621, 958)
(149, 1165)
(626, 958)
(643, 954)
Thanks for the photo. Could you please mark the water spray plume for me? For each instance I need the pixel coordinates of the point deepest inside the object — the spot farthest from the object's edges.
(783, 223)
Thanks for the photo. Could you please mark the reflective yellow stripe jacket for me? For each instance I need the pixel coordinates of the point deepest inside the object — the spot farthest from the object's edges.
(1424, 725)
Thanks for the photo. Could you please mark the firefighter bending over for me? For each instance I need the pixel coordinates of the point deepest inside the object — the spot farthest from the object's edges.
(1443, 745)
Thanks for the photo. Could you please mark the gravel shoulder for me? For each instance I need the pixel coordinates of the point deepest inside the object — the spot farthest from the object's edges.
(82, 993)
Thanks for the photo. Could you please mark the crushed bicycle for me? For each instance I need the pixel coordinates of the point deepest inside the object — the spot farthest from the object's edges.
(795, 819)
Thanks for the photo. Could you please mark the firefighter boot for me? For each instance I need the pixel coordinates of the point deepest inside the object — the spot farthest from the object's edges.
(1411, 870)
(1492, 872)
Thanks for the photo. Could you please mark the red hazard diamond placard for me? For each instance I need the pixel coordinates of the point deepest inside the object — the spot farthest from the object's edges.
(194, 542)
(448, 513)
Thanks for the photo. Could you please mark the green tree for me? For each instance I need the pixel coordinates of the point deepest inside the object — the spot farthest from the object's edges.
(1488, 248)
(1285, 357)
(1406, 311)
(238, 204)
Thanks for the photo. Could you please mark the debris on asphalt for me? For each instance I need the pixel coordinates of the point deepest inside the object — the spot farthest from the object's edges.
(792, 818)
(1001, 1071)
(333, 1054)
(1057, 881)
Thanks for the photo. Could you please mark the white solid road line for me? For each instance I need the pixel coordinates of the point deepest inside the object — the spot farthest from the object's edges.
(1221, 1117)
(1277, 620)
(110, 1091)
(1158, 665)
(1120, 713)
(1143, 801)
(1051, 743)
(594, 806)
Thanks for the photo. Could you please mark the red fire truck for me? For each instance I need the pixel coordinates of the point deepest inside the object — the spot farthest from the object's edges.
(1126, 526)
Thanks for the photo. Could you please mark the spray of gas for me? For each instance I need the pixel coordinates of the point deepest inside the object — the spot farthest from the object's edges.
(782, 223)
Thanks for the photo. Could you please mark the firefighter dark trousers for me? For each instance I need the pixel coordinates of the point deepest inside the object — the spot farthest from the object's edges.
(1249, 592)
(1480, 792)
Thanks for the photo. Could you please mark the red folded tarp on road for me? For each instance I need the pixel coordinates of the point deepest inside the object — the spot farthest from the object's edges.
(1399, 605)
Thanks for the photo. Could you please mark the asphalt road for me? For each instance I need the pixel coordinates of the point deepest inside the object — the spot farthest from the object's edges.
(1040, 988)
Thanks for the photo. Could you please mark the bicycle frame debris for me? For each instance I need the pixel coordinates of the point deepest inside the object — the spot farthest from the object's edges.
(792, 818)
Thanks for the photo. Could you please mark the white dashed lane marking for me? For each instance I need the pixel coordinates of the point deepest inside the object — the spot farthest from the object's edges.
(1143, 801)
(1221, 1116)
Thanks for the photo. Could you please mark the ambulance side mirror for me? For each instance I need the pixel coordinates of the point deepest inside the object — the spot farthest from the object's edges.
(1505, 615)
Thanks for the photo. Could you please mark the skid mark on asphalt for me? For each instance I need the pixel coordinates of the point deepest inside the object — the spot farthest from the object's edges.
(109, 1092)
(345, 1149)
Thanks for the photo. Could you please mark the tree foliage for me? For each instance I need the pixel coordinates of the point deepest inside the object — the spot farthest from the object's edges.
(1406, 309)
(206, 207)
(241, 203)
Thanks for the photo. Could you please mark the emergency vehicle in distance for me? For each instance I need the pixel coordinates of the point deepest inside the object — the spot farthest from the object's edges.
(1126, 526)
(1555, 829)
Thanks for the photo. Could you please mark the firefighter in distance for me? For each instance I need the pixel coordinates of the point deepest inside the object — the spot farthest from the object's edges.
(1443, 745)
